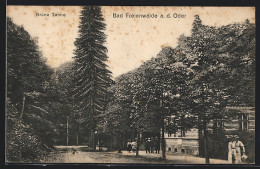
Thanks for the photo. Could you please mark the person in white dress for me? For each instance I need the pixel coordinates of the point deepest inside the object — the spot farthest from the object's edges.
(234, 150)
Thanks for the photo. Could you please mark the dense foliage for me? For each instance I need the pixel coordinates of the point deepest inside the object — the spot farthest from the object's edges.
(193, 83)
(31, 121)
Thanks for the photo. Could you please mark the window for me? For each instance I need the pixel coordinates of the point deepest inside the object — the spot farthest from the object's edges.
(218, 126)
(175, 150)
(183, 150)
(243, 122)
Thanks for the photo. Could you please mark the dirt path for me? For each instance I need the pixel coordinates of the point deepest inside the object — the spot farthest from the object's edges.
(79, 154)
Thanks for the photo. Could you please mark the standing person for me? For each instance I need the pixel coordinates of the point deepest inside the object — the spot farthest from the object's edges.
(234, 150)
(157, 145)
(129, 146)
(147, 145)
(152, 145)
(134, 145)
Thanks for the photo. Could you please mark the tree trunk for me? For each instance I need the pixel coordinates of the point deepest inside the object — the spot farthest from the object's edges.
(163, 142)
(89, 139)
(132, 135)
(110, 143)
(123, 142)
(94, 141)
(205, 129)
(99, 145)
(77, 135)
(163, 139)
(119, 144)
(138, 143)
(115, 145)
(67, 130)
(200, 140)
(77, 138)
(206, 142)
(21, 116)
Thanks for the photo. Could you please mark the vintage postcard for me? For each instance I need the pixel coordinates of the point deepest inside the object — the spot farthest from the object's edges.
(124, 85)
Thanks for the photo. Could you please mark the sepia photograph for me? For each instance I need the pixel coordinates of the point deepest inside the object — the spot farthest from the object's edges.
(130, 85)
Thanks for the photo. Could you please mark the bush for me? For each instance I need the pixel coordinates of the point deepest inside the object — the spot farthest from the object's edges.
(22, 143)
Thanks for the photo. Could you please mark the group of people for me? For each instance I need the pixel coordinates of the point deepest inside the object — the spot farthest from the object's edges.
(152, 145)
(131, 146)
(236, 151)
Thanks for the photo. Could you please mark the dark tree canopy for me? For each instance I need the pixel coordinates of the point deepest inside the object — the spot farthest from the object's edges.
(27, 70)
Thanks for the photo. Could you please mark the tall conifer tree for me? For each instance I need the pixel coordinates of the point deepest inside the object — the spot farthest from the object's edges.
(92, 78)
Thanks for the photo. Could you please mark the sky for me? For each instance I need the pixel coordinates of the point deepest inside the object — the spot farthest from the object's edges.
(130, 41)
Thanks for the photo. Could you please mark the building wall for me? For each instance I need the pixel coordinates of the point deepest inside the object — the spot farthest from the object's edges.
(184, 145)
